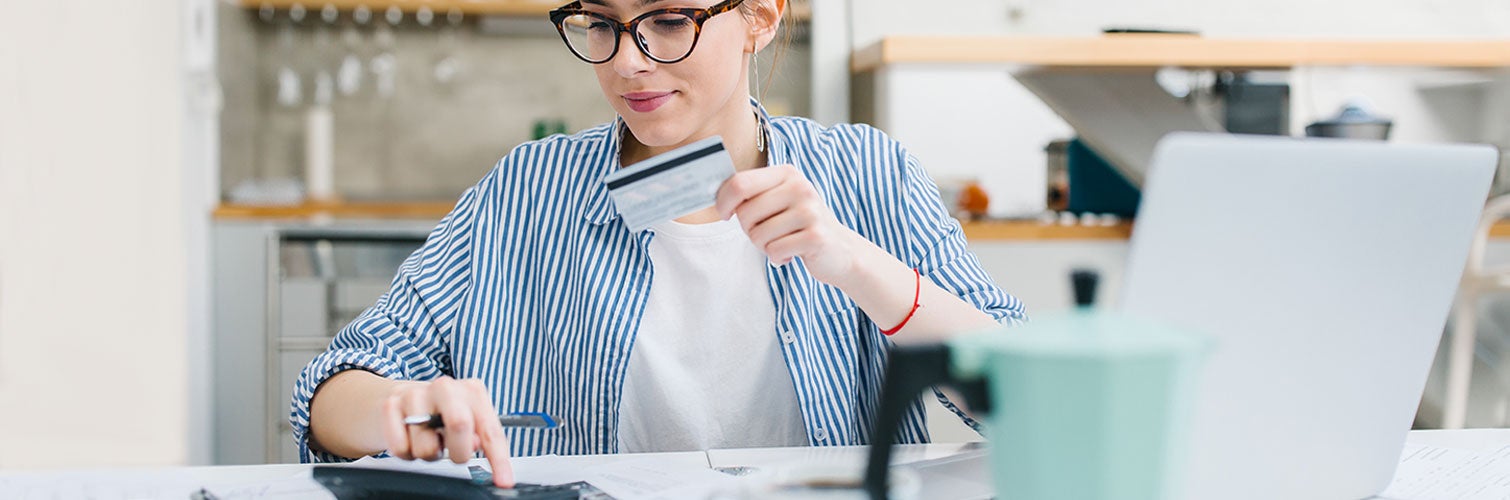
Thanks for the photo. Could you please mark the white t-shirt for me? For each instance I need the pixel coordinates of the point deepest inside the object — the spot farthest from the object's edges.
(706, 370)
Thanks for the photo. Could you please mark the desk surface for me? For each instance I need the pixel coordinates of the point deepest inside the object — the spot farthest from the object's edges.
(154, 482)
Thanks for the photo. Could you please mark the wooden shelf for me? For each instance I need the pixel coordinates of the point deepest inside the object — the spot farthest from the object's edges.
(432, 210)
(520, 8)
(1036, 231)
(1025, 230)
(1142, 51)
(440, 7)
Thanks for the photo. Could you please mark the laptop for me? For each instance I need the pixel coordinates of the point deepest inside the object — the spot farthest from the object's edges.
(1324, 271)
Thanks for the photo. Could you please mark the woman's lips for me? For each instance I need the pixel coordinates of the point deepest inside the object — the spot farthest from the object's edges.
(645, 102)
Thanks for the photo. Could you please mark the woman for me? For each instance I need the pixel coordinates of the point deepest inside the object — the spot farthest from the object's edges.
(756, 322)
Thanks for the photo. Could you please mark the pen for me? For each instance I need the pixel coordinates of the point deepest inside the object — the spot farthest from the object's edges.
(532, 420)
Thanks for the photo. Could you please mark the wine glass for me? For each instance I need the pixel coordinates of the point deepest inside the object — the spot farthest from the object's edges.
(385, 63)
(288, 83)
(448, 67)
(349, 75)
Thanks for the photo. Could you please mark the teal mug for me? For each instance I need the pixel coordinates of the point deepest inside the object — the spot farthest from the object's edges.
(1083, 406)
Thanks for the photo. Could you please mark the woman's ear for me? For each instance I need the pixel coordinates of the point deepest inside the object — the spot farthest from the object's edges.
(763, 23)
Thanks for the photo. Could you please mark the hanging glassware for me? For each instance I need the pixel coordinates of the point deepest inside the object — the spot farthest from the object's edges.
(448, 67)
(385, 64)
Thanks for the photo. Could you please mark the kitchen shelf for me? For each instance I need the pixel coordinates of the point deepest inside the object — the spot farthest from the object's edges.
(1016, 230)
(998, 230)
(472, 7)
(1159, 50)
(432, 210)
(520, 8)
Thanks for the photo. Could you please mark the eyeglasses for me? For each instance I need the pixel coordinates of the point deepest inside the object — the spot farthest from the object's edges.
(669, 38)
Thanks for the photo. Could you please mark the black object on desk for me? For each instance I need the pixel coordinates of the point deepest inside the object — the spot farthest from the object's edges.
(1134, 30)
(910, 370)
(356, 483)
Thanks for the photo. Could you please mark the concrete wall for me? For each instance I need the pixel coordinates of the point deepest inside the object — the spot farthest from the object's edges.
(426, 141)
(93, 276)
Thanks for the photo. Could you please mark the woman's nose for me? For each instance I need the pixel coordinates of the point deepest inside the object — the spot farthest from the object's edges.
(630, 60)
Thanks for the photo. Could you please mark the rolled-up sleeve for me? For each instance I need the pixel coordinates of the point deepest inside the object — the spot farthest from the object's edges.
(407, 333)
(941, 255)
(938, 244)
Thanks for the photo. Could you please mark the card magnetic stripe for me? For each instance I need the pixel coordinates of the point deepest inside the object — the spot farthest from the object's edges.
(670, 164)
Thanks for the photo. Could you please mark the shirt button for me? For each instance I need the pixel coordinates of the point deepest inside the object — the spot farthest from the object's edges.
(788, 337)
(820, 434)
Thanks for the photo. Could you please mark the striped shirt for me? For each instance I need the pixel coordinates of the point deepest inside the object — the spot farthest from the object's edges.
(534, 285)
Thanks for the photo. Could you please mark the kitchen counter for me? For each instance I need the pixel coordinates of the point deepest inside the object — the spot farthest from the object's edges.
(983, 231)
(428, 210)
(1013, 230)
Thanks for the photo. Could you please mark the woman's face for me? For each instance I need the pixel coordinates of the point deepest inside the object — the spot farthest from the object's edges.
(672, 104)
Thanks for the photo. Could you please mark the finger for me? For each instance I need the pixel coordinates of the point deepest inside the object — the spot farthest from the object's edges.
(790, 194)
(394, 428)
(745, 185)
(792, 220)
(424, 442)
(492, 440)
(784, 249)
(453, 401)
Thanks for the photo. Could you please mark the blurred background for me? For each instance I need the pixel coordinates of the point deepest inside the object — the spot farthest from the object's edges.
(195, 194)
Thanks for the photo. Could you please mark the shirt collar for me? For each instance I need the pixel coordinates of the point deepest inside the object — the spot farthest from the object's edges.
(599, 208)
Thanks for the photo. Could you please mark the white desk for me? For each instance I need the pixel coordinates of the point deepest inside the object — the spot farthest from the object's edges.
(180, 482)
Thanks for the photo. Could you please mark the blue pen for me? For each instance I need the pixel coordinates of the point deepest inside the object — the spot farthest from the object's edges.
(532, 420)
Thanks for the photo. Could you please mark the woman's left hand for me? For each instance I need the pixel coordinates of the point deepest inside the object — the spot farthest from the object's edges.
(786, 218)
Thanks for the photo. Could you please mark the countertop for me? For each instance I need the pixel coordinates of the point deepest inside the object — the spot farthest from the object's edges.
(992, 230)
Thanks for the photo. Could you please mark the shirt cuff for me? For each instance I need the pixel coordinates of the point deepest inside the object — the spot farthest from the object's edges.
(957, 411)
(317, 372)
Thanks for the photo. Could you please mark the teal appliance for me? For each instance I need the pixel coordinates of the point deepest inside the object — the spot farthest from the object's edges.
(1085, 405)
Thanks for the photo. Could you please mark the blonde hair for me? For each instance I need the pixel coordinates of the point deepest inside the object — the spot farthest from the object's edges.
(782, 41)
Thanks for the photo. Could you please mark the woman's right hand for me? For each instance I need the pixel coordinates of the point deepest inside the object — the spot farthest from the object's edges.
(471, 424)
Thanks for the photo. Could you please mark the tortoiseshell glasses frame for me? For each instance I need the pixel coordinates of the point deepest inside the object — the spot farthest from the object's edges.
(668, 27)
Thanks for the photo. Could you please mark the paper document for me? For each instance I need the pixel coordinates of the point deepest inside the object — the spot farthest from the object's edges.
(174, 484)
(1439, 473)
(629, 477)
(625, 477)
(444, 468)
(651, 478)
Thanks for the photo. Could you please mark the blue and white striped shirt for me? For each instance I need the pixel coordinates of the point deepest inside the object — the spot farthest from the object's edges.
(534, 285)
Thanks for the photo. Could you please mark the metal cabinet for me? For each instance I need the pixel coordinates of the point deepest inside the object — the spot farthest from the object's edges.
(281, 293)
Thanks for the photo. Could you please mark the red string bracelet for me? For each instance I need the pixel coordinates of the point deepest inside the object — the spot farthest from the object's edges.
(916, 294)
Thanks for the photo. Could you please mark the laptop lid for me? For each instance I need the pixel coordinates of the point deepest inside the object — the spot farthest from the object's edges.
(1324, 271)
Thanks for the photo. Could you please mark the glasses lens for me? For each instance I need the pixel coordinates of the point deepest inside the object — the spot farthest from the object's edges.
(667, 37)
(590, 37)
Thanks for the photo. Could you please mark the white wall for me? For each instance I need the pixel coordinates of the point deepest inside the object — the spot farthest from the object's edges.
(972, 122)
(94, 314)
(1230, 18)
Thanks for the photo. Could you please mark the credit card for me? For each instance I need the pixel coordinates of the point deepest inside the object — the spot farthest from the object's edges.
(670, 185)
